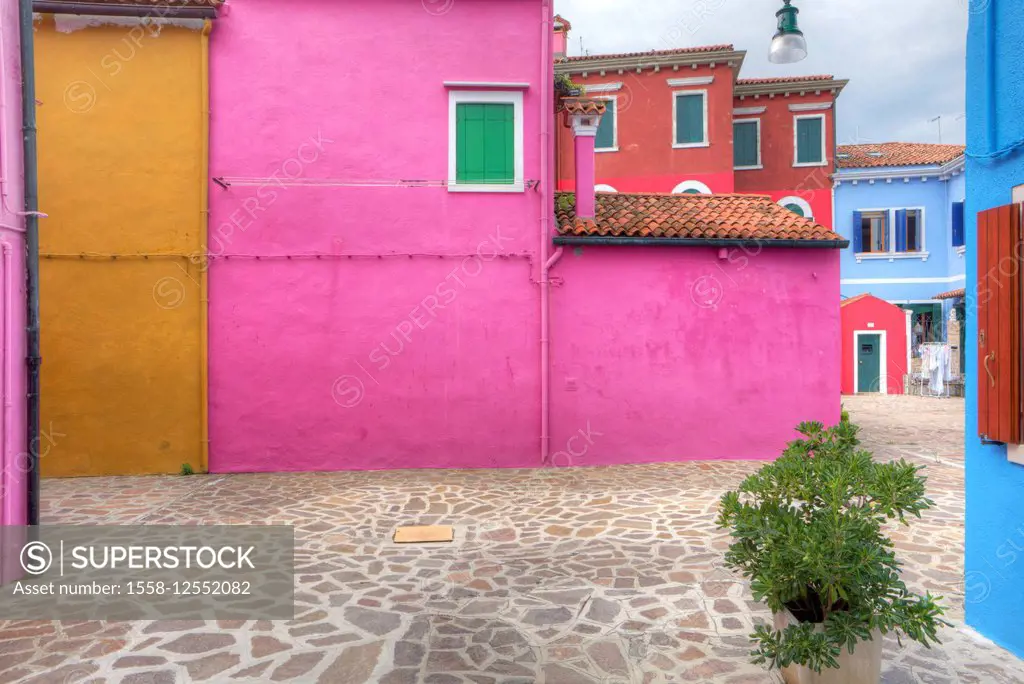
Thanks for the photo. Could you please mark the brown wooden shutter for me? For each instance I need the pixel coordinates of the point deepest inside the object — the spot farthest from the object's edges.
(999, 324)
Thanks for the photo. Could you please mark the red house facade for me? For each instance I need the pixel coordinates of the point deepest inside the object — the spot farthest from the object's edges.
(875, 356)
(683, 121)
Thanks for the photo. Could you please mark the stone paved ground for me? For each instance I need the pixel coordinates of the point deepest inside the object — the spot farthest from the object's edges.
(558, 576)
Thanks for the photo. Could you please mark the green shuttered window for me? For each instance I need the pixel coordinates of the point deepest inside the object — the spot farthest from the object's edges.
(746, 146)
(690, 124)
(485, 143)
(809, 140)
(606, 138)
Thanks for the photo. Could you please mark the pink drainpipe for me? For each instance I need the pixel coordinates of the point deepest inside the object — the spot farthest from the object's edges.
(547, 208)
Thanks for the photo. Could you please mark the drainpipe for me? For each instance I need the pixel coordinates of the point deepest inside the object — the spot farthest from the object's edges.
(28, 127)
(204, 260)
(547, 208)
(123, 10)
(990, 76)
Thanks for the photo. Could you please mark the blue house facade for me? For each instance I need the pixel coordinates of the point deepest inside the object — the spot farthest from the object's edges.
(994, 563)
(901, 205)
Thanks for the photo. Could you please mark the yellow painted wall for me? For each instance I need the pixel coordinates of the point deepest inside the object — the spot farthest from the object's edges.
(121, 172)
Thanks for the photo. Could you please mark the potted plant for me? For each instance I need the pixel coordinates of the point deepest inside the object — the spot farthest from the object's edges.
(808, 535)
(564, 87)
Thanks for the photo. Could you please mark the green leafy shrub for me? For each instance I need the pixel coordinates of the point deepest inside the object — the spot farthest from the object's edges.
(564, 86)
(808, 535)
(186, 469)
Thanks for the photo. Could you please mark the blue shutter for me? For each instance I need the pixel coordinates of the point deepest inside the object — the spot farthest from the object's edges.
(958, 224)
(901, 230)
(858, 228)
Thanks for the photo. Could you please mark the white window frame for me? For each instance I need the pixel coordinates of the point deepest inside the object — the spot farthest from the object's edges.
(800, 202)
(457, 97)
(676, 94)
(692, 185)
(615, 130)
(892, 255)
(796, 140)
(760, 163)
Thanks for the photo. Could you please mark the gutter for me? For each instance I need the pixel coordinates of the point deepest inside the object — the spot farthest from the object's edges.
(598, 63)
(698, 242)
(109, 10)
(835, 85)
(547, 204)
(204, 264)
(28, 128)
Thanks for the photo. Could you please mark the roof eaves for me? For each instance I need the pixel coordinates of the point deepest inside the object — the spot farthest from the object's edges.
(732, 58)
(834, 85)
(698, 242)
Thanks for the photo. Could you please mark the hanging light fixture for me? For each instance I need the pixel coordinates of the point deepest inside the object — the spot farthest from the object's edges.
(789, 44)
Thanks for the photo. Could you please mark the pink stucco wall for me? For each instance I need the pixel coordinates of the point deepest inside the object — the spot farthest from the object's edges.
(413, 340)
(13, 456)
(355, 325)
(673, 353)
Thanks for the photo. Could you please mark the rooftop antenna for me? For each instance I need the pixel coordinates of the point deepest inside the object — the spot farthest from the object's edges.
(939, 120)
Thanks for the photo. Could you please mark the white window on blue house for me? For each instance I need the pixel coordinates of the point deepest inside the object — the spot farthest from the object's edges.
(871, 231)
(809, 140)
(607, 139)
(890, 232)
(909, 230)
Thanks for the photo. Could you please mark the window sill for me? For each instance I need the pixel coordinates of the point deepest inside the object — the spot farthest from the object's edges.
(890, 256)
(686, 146)
(483, 187)
(961, 250)
(797, 165)
(748, 168)
(599, 150)
(1015, 454)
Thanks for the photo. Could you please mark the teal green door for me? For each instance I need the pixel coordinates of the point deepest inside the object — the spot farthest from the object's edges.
(869, 362)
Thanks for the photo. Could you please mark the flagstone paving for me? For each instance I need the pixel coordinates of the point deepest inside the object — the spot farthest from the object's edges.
(561, 576)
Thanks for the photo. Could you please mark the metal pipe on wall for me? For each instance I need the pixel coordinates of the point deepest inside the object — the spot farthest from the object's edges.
(28, 128)
(112, 10)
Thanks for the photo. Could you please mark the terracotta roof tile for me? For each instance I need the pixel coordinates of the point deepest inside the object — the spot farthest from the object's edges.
(651, 53)
(896, 154)
(715, 217)
(952, 294)
(851, 300)
(788, 79)
(583, 105)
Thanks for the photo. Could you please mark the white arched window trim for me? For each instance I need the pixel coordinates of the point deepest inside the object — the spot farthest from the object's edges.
(800, 202)
(604, 188)
(691, 185)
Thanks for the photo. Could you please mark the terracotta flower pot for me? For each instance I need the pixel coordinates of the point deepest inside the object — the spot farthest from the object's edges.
(863, 666)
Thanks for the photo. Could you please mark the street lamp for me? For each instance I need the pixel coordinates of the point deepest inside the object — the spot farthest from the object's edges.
(788, 45)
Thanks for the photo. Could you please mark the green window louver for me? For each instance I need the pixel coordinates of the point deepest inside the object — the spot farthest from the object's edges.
(606, 132)
(809, 145)
(690, 119)
(485, 143)
(745, 144)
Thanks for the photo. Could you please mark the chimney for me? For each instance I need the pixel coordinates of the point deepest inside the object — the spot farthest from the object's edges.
(562, 28)
(585, 116)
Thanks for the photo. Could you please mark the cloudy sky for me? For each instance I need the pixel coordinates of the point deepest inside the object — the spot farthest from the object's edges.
(904, 58)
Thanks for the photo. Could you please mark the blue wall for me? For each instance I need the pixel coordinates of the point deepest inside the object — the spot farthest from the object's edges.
(943, 264)
(994, 583)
